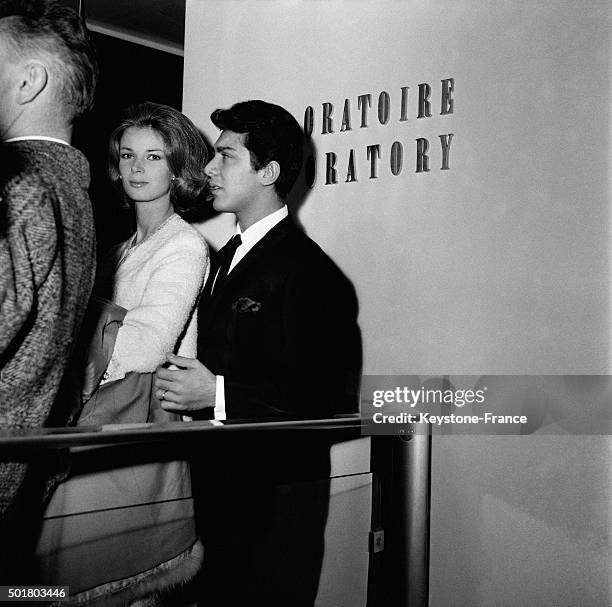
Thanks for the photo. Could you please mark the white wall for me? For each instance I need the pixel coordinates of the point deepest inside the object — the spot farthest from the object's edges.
(500, 264)
(521, 521)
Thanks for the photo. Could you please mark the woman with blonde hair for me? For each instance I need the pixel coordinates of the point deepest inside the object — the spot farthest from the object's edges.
(156, 160)
(133, 532)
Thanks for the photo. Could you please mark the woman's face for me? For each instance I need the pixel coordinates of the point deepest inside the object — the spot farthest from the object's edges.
(143, 166)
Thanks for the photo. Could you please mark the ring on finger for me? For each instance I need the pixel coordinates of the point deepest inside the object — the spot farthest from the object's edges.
(163, 395)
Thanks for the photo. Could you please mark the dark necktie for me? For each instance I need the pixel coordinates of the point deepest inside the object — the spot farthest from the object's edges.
(226, 254)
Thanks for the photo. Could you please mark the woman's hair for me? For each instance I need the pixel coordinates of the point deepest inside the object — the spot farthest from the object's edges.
(186, 151)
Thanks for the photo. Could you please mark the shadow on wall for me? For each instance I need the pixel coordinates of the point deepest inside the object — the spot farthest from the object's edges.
(301, 190)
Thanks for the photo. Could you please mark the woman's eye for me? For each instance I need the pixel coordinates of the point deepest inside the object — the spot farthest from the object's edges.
(125, 155)
(153, 157)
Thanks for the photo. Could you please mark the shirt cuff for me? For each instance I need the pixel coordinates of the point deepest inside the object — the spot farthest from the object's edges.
(220, 413)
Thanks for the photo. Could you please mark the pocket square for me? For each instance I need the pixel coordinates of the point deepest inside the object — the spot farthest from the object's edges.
(246, 304)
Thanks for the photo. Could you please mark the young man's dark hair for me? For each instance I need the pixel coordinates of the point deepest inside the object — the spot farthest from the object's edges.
(55, 31)
(271, 133)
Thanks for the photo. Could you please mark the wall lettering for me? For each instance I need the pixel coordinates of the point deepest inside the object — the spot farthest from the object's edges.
(390, 107)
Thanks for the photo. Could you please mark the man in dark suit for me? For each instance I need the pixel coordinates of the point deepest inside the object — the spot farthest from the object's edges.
(277, 336)
(277, 321)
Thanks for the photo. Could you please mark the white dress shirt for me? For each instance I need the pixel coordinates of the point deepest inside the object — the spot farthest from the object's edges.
(36, 138)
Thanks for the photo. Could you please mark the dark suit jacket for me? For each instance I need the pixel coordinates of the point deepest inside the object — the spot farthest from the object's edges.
(282, 330)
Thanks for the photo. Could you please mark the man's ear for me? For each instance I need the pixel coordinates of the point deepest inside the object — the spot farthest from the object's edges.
(34, 80)
(270, 173)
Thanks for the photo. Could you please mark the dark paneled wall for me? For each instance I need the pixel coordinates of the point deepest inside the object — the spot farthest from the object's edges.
(129, 73)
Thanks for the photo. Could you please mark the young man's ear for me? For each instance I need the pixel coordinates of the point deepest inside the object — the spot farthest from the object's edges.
(34, 80)
(270, 173)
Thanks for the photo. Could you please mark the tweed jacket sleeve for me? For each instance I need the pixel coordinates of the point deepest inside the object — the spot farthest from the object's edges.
(167, 286)
(28, 244)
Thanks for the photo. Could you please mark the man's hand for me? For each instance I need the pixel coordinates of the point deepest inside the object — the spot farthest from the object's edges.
(191, 387)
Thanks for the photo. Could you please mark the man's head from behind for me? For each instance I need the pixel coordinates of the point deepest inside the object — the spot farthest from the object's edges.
(48, 49)
(271, 133)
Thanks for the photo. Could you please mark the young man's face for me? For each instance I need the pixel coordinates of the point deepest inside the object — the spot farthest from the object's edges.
(234, 184)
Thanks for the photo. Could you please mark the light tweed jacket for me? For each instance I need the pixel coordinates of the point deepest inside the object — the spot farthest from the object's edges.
(47, 261)
(158, 282)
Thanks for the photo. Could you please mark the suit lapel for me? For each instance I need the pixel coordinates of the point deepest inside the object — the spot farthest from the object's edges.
(214, 268)
(264, 246)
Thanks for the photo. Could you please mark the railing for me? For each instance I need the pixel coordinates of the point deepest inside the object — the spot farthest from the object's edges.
(37, 439)
(398, 573)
